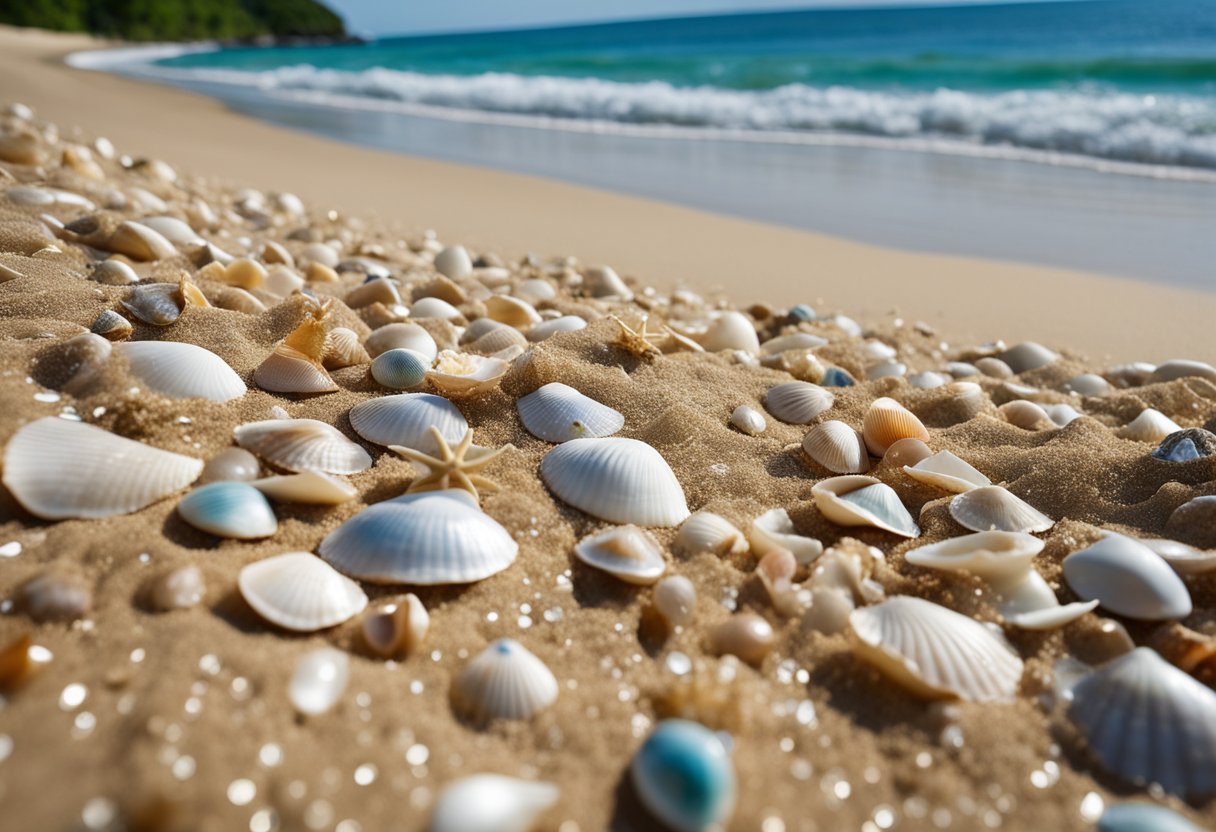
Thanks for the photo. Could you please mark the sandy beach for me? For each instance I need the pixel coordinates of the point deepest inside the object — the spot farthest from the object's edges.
(132, 703)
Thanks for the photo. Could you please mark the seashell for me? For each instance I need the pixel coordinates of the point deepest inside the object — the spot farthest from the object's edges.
(303, 444)
(396, 626)
(797, 402)
(461, 374)
(886, 422)
(504, 681)
(1128, 579)
(179, 589)
(58, 469)
(229, 509)
(1187, 650)
(747, 420)
(375, 290)
(54, 597)
(614, 479)
(491, 803)
(1134, 374)
(705, 531)
(675, 598)
(399, 369)
(180, 370)
(406, 419)
(238, 300)
(547, 329)
(625, 552)
(906, 452)
(281, 282)
(604, 282)
(776, 572)
(1185, 560)
(111, 326)
(1061, 414)
(559, 413)
(993, 508)
(342, 349)
(114, 273)
(837, 447)
(443, 288)
(863, 501)
(319, 680)
(295, 365)
(159, 304)
(401, 336)
(775, 530)
(1150, 426)
(1193, 521)
(511, 311)
(320, 253)
(435, 308)
(1181, 368)
(535, 291)
(946, 471)
(139, 242)
(684, 777)
(300, 592)
(453, 262)
(1088, 384)
(230, 465)
(434, 537)
(1146, 721)
(746, 636)
(493, 339)
(731, 331)
(794, 341)
(1026, 415)
(935, 652)
(172, 229)
(312, 487)
(993, 367)
(273, 252)
(928, 380)
(1027, 356)
(1022, 391)
(1143, 817)
(1185, 445)
(886, 369)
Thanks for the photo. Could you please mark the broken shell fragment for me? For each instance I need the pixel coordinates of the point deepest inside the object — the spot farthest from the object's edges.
(705, 531)
(311, 487)
(395, 626)
(775, 530)
(946, 471)
(625, 552)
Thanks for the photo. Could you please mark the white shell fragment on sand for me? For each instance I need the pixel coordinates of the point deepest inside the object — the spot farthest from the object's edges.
(1185, 560)
(491, 803)
(615, 479)
(396, 625)
(936, 652)
(229, 509)
(319, 680)
(993, 508)
(946, 471)
(863, 501)
(311, 487)
(837, 447)
(59, 469)
(406, 419)
(504, 681)
(748, 420)
(558, 413)
(1150, 426)
(705, 531)
(1129, 579)
(797, 402)
(181, 371)
(299, 591)
(303, 444)
(625, 552)
(775, 530)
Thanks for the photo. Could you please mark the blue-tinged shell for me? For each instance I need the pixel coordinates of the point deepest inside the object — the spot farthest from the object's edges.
(1144, 817)
(684, 776)
(836, 377)
(1185, 445)
(229, 509)
(802, 312)
(400, 369)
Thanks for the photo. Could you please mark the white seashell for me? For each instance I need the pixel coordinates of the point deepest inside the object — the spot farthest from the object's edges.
(295, 365)
(705, 531)
(993, 508)
(547, 329)
(1061, 414)
(1177, 368)
(230, 464)
(731, 331)
(794, 341)
(57, 469)
(1027, 356)
(312, 487)
(504, 681)
(401, 336)
(434, 308)
(928, 380)
(453, 262)
(491, 803)
(173, 230)
(299, 591)
(776, 572)
(993, 367)
(863, 501)
(1088, 384)
(886, 369)
(320, 253)
(775, 530)
(935, 652)
(396, 626)
(406, 419)
(886, 422)
(319, 680)
(462, 374)
(180, 370)
(1150, 426)
(303, 444)
(748, 420)
(625, 552)
(675, 598)
(114, 273)
(1026, 415)
(1186, 560)
(139, 242)
(604, 282)
(559, 413)
(619, 480)
(229, 509)
(1128, 579)
(428, 538)
(837, 447)
(797, 402)
(535, 290)
(1149, 722)
(946, 471)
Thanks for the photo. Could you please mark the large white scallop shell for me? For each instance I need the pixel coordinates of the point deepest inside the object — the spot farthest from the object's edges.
(438, 537)
(948, 472)
(299, 591)
(625, 552)
(559, 413)
(303, 444)
(797, 402)
(504, 681)
(615, 479)
(936, 652)
(705, 531)
(993, 508)
(59, 469)
(406, 419)
(837, 447)
(863, 501)
(1129, 579)
(181, 370)
(491, 803)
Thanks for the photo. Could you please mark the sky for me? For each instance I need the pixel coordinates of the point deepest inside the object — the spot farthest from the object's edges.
(378, 17)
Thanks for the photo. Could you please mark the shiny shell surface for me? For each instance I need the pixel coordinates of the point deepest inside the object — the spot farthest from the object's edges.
(615, 479)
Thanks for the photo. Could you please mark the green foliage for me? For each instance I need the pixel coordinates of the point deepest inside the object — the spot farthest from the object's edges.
(142, 20)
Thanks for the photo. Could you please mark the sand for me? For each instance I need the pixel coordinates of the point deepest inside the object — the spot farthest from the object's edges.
(182, 705)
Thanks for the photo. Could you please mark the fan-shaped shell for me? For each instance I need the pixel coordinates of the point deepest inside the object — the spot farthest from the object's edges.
(426, 538)
(547, 329)
(229, 509)
(559, 413)
(59, 469)
(491, 337)
(946, 471)
(993, 508)
(797, 402)
(342, 349)
(406, 419)
(462, 374)
(491, 803)
(625, 552)
(684, 777)
(181, 370)
(775, 530)
(1150, 426)
(705, 531)
(886, 422)
(399, 369)
(299, 591)
(863, 501)
(1129, 579)
(615, 479)
(1149, 722)
(731, 331)
(504, 681)
(936, 652)
(303, 444)
(837, 447)
(313, 487)
(401, 336)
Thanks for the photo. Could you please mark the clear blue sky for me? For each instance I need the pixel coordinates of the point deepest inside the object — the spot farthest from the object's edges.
(391, 17)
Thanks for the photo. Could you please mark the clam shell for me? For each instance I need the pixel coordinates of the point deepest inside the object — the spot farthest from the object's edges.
(1185, 560)
(794, 341)
(906, 452)
(993, 508)
(299, 591)
(428, 538)
(139, 242)
(313, 487)
(1150, 426)
(434, 308)
(401, 336)
(625, 552)
(319, 680)
(1061, 414)
(1027, 356)
(731, 331)
(1128, 579)
(399, 369)
(1177, 368)
(159, 304)
(863, 501)
(748, 420)
(684, 777)
(229, 509)
(559, 413)
(1149, 722)
(181, 371)
(342, 349)
(547, 329)
(111, 326)
(797, 402)
(172, 229)
(504, 681)
(886, 422)
(619, 480)
(406, 419)
(1026, 415)
(837, 447)
(114, 273)
(453, 262)
(946, 471)
(775, 530)
(491, 803)
(511, 311)
(59, 469)
(303, 444)
(935, 652)
(705, 531)
(462, 374)
(1088, 384)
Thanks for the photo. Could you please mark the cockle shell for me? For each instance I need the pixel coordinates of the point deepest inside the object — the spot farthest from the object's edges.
(437, 537)
(303, 444)
(886, 422)
(406, 419)
(559, 413)
(180, 370)
(299, 591)
(547, 329)
(797, 402)
(111, 326)
(504, 681)
(462, 374)
(58, 469)
(487, 336)
(396, 625)
(775, 530)
(139, 242)
(1150, 426)
(319, 680)
(615, 479)
(1129, 579)
(837, 447)
(946, 471)
(993, 508)
(1149, 722)
(229, 509)
(625, 552)
(705, 531)
(863, 501)
(731, 331)
(748, 420)
(342, 349)
(491, 803)
(312, 487)
(401, 336)
(936, 652)
(295, 365)
(399, 369)
(684, 777)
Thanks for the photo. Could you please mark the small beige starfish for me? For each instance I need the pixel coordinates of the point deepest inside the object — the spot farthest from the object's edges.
(451, 469)
(638, 342)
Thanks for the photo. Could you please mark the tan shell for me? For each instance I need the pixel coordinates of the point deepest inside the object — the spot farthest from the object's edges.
(139, 242)
(837, 447)
(746, 635)
(705, 531)
(396, 625)
(376, 290)
(342, 349)
(511, 311)
(295, 365)
(886, 422)
(313, 487)
(1026, 415)
(244, 273)
(112, 326)
(993, 508)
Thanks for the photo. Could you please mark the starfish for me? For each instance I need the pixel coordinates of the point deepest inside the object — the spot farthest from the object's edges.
(638, 342)
(451, 469)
